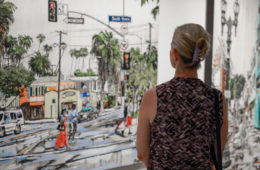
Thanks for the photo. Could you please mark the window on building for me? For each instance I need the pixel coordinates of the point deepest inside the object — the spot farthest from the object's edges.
(31, 93)
(39, 91)
(36, 91)
(95, 85)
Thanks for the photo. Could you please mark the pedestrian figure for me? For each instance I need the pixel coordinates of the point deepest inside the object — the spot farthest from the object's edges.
(177, 119)
(126, 121)
(62, 139)
(130, 113)
(73, 119)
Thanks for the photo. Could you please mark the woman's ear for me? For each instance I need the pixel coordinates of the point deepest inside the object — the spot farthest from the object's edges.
(176, 54)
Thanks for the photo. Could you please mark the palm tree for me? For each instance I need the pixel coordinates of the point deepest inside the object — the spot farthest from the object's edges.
(9, 48)
(6, 18)
(114, 78)
(105, 47)
(41, 38)
(16, 47)
(155, 10)
(24, 43)
(39, 64)
(47, 48)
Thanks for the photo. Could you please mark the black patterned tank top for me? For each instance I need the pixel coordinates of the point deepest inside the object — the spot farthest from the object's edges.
(184, 126)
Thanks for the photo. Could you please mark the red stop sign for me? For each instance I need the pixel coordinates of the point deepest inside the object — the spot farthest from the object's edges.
(52, 4)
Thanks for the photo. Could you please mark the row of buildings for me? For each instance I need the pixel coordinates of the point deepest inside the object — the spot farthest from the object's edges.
(40, 100)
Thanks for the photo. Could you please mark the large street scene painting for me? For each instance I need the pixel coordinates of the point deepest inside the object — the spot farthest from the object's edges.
(73, 75)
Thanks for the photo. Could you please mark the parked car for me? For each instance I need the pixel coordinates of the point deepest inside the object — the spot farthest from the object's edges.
(9, 122)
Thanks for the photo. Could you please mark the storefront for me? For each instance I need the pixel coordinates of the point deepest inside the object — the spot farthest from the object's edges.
(68, 97)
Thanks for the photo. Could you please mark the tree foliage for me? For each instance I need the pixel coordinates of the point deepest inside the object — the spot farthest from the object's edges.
(40, 63)
(155, 10)
(15, 48)
(237, 84)
(89, 72)
(106, 48)
(143, 72)
(12, 77)
(80, 53)
(6, 18)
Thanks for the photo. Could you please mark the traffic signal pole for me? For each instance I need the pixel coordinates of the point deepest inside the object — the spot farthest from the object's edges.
(101, 22)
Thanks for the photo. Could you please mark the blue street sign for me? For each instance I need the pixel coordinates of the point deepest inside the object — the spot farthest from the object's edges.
(119, 19)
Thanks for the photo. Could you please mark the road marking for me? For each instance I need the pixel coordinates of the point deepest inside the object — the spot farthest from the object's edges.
(27, 148)
(22, 136)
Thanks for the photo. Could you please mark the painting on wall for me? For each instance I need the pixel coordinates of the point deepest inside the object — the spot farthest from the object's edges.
(72, 78)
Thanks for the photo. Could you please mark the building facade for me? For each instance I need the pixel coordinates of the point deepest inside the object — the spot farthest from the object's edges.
(32, 99)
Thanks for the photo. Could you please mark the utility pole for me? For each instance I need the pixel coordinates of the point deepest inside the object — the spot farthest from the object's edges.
(60, 33)
(150, 36)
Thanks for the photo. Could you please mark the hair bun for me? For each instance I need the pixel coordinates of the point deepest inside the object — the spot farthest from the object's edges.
(203, 45)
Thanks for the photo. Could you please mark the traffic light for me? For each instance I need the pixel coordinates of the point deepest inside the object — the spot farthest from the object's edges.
(52, 11)
(126, 61)
(126, 77)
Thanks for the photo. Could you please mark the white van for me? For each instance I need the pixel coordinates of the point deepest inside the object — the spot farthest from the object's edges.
(19, 114)
(9, 122)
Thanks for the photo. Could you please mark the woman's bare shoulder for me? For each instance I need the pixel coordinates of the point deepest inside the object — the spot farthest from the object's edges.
(149, 104)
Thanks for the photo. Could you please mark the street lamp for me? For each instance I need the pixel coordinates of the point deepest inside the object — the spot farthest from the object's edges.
(230, 23)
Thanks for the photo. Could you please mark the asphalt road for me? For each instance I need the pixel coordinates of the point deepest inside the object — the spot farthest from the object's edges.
(95, 146)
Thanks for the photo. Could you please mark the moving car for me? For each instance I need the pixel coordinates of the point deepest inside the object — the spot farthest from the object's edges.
(88, 114)
(9, 122)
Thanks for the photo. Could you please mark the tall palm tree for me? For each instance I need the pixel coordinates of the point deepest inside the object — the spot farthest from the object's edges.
(40, 64)
(9, 48)
(106, 48)
(6, 18)
(24, 43)
(47, 48)
(41, 38)
(16, 47)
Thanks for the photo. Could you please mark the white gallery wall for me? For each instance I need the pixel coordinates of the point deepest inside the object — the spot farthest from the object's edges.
(172, 14)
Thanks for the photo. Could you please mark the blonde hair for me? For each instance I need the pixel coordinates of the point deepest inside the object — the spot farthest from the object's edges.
(186, 39)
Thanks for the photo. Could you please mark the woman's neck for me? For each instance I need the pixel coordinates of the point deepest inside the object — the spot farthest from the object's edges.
(186, 73)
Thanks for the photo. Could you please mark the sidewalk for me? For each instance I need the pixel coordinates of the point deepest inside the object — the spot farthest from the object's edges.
(245, 151)
(41, 121)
